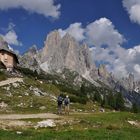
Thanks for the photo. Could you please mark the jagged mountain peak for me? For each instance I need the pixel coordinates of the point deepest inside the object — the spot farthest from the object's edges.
(33, 49)
(102, 71)
(53, 38)
(3, 43)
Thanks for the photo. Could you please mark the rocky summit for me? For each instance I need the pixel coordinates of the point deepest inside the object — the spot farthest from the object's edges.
(60, 53)
(65, 52)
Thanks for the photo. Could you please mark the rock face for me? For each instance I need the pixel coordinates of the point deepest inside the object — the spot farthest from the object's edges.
(3, 44)
(103, 73)
(129, 82)
(31, 59)
(66, 52)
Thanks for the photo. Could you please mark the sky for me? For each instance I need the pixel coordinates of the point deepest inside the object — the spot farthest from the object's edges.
(111, 28)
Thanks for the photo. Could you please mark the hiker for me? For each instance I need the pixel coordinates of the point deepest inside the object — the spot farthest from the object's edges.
(66, 104)
(59, 104)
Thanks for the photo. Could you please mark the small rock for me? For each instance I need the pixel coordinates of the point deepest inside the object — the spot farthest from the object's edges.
(15, 85)
(42, 107)
(134, 123)
(46, 123)
(102, 110)
(19, 133)
(19, 96)
(7, 88)
(3, 105)
(26, 94)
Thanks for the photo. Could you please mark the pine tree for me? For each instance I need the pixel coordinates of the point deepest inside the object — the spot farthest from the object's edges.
(82, 89)
(111, 100)
(119, 101)
(135, 108)
(97, 97)
(104, 101)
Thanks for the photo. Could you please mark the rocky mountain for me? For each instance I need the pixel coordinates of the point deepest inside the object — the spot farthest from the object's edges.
(30, 59)
(66, 52)
(60, 53)
(3, 44)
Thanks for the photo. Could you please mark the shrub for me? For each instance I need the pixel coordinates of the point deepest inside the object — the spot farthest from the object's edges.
(2, 76)
(28, 72)
(135, 108)
(119, 102)
(76, 99)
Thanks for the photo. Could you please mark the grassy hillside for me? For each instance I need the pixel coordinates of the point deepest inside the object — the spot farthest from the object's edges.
(38, 93)
(35, 96)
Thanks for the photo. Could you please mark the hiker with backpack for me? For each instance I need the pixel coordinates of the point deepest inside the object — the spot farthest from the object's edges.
(66, 104)
(59, 104)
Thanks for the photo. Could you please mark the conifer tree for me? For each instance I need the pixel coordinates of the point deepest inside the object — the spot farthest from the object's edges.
(111, 100)
(135, 108)
(119, 101)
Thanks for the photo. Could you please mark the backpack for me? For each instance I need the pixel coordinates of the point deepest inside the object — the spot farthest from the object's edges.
(60, 100)
(66, 101)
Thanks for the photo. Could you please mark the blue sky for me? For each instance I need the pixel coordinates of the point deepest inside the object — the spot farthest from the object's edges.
(115, 23)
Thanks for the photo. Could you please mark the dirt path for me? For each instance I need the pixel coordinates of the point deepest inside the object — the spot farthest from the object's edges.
(10, 80)
(28, 116)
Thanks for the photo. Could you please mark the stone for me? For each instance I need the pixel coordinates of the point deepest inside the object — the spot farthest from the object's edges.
(15, 85)
(45, 123)
(19, 133)
(42, 107)
(3, 105)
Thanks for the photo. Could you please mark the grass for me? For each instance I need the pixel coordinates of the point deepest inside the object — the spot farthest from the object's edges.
(99, 126)
(18, 96)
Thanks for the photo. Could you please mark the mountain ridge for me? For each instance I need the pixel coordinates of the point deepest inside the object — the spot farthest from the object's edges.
(59, 53)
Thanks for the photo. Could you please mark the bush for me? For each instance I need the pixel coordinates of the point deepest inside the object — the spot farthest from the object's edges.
(76, 99)
(2, 76)
(135, 108)
(119, 102)
(28, 72)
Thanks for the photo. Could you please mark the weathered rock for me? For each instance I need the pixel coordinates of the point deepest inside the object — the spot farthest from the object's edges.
(3, 105)
(60, 53)
(42, 107)
(103, 73)
(46, 123)
(31, 59)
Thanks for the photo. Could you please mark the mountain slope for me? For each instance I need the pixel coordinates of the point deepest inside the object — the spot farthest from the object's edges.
(60, 53)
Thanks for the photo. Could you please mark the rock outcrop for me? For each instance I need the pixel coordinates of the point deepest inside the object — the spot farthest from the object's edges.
(66, 52)
(31, 59)
(3, 44)
(103, 73)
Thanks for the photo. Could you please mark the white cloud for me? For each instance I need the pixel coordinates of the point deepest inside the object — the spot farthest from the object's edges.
(12, 38)
(43, 7)
(133, 9)
(102, 32)
(137, 68)
(97, 33)
(74, 30)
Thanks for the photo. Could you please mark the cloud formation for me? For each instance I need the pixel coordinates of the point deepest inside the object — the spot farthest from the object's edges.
(103, 32)
(133, 9)
(74, 30)
(43, 7)
(11, 36)
(106, 43)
